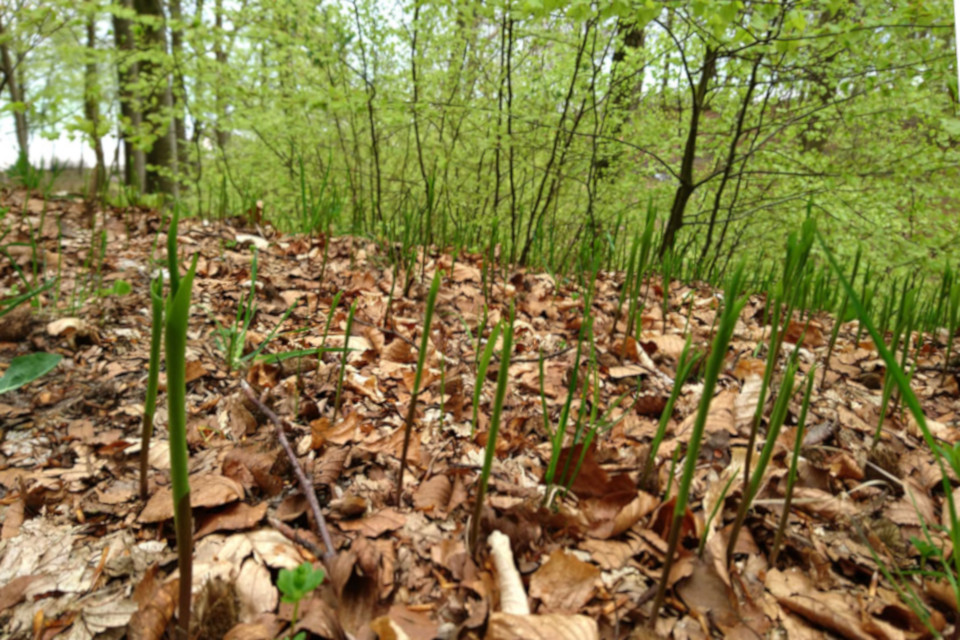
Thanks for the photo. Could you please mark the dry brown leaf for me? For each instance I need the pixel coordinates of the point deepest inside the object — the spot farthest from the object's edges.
(234, 517)
(399, 351)
(155, 611)
(552, 626)
(564, 583)
(720, 417)
(207, 490)
(831, 611)
(375, 524)
(13, 592)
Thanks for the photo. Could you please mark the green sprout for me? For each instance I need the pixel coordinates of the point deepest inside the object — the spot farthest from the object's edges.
(297, 584)
(153, 375)
(178, 314)
(502, 377)
(418, 376)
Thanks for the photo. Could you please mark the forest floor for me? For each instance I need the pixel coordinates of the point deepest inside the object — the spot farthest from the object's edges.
(82, 556)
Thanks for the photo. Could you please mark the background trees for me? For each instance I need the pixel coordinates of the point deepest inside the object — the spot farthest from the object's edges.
(536, 120)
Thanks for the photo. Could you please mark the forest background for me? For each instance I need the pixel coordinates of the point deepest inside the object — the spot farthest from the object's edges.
(534, 123)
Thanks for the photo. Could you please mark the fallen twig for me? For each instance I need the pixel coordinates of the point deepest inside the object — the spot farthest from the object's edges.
(305, 484)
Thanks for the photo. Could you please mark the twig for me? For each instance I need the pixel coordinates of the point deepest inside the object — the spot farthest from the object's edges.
(291, 534)
(305, 484)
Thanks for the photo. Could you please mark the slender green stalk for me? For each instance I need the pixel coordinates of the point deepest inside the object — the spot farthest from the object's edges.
(951, 321)
(177, 320)
(733, 305)
(688, 359)
(792, 473)
(153, 375)
(941, 454)
(417, 378)
(776, 422)
(839, 318)
(502, 378)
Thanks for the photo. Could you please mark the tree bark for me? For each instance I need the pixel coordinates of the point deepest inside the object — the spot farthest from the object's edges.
(158, 103)
(16, 94)
(91, 109)
(127, 70)
(731, 155)
(180, 88)
(686, 187)
(220, 54)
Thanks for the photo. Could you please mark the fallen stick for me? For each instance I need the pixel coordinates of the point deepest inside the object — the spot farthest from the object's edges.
(305, 484)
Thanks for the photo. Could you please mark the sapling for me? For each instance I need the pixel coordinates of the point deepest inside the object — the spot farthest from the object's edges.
(153, 375)
(418, 377)
(502, 378)
(177, 318)
(733, 304)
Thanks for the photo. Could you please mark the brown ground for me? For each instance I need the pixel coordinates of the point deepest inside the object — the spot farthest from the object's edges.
(82, 556)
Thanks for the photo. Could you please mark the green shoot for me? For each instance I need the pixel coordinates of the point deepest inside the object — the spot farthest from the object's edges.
(502, 378)
(776, 422)
(482, 364)
(153, 375)
(943, 455)
(731, 311)
(177, 319)
(418, 377)
(296, 585)
(688, 360)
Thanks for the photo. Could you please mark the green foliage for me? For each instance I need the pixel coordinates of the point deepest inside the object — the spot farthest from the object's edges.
(25, 369)
(296, 585)
(494, 429)
(177, 314)
(944, 457)
(232, 338)
(118, 288)
(567, 126)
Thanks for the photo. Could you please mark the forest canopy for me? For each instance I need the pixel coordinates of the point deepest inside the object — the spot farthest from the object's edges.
(537, 122)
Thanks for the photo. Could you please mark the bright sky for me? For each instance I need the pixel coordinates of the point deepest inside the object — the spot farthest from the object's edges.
(63, 149)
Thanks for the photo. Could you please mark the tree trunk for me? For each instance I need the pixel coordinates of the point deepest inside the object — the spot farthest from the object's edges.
(686, 187)
(91, 109)
(180, 88)
(731, 155)
(16, 94)
(127, 70)
(223, 135)
(157, 110)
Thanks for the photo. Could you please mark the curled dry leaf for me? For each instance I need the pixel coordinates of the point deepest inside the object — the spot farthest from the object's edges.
(155, 610)
(207, 490)
(552, 626)
(232, 518)
(564, 583)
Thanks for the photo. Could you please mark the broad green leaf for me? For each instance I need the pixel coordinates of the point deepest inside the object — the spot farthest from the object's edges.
(26, 369)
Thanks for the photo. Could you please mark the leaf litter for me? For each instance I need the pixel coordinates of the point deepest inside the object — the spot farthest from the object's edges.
(82, 557)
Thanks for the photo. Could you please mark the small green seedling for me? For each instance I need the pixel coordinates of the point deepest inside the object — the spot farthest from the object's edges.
(119, 288)
(26, 369)
(296, 585)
